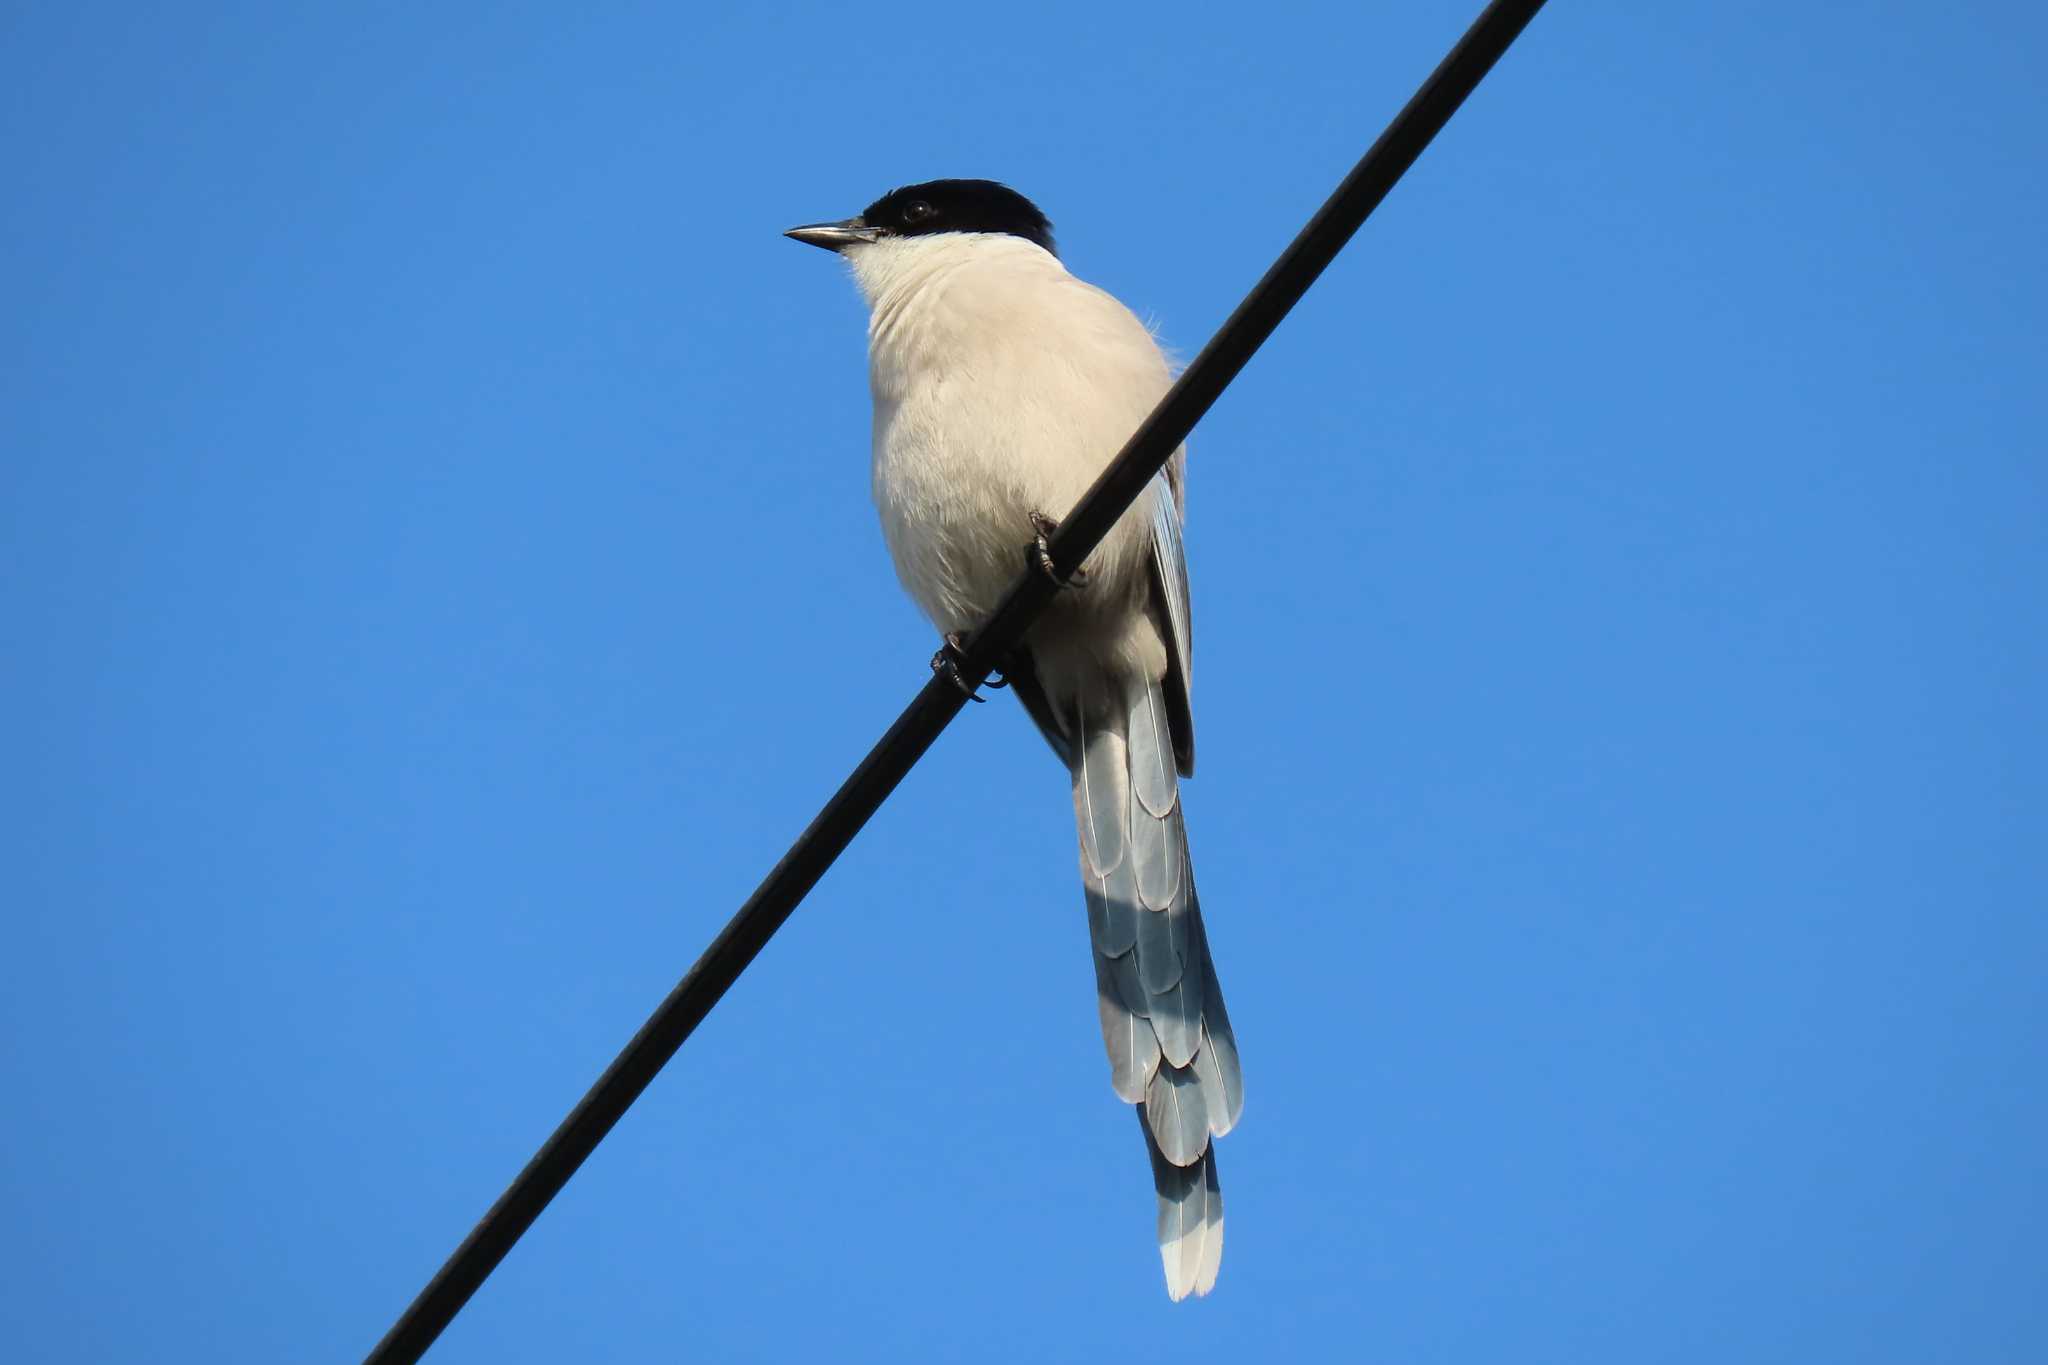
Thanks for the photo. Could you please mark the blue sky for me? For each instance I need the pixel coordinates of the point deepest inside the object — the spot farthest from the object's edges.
(441, 580)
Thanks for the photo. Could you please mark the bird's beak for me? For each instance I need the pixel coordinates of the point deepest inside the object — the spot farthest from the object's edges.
(835, 236)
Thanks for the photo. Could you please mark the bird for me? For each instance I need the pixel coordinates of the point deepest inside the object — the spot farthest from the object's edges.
(1002, 386)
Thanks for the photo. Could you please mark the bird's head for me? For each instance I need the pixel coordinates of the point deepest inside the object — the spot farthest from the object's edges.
(936, 206)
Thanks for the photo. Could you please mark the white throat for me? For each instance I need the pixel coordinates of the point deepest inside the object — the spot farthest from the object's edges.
(895, 267)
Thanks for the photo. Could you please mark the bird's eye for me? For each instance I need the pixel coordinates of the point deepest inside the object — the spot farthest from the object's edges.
(916, 211)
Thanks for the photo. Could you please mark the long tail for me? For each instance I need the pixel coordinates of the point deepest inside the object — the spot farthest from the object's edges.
(1171, 1051)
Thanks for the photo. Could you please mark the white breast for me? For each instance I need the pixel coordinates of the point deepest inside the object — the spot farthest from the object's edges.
(1003, 386)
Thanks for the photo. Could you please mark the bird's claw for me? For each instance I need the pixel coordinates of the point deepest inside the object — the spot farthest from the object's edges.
(946, 663)
(1041, 553)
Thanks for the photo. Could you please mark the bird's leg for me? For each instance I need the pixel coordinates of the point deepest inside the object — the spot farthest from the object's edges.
(1041, 553)
(946, 663)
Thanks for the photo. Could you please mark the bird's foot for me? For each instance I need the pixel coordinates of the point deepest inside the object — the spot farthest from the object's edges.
(1041, 553)
(946, 663)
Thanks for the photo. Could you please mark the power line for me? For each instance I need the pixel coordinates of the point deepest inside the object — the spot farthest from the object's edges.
(842, 817)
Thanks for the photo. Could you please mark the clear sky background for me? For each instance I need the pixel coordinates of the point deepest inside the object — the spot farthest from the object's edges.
(439, 580)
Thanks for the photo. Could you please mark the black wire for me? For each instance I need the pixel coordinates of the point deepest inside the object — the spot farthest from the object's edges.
(934, 707)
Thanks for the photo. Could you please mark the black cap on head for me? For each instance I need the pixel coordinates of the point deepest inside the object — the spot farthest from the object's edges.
(959, 206)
